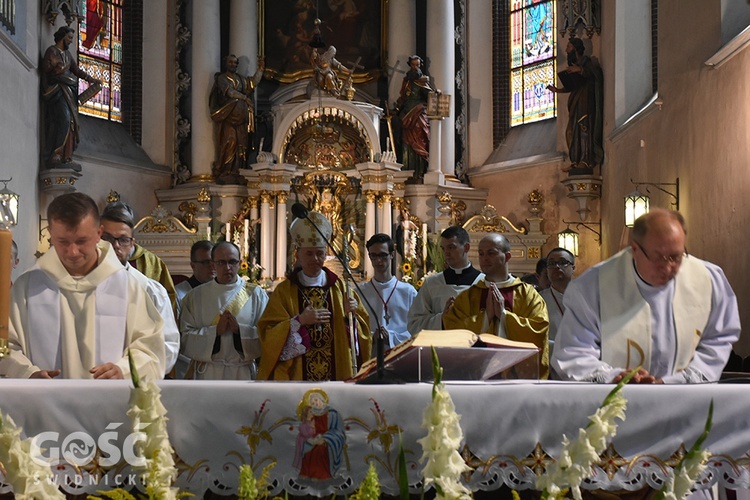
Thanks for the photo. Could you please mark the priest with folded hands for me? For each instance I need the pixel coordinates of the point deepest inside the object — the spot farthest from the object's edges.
(502, 304)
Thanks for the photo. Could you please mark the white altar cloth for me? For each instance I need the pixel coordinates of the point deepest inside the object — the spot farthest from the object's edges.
(510, 429)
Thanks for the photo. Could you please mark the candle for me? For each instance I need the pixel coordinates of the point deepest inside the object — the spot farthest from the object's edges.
(228, 232)
(5, 254)
(208, 232)
(424, 244)
(246, 240)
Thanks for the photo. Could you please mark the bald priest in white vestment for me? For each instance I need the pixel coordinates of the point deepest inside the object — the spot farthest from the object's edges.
(650, 306)
(77, 312)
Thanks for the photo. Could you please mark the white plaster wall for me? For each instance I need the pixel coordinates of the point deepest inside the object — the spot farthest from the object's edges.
(19, 126)
(479, 64)
(158, 68)
(702, 136)
(632, 75)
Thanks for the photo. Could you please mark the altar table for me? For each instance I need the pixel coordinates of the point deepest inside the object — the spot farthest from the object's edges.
(512, 430)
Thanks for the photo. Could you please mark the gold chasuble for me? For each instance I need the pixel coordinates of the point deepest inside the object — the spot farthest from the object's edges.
(526, 318)
(323, 353)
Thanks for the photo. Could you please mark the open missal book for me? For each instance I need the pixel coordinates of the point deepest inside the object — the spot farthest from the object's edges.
(463, 355)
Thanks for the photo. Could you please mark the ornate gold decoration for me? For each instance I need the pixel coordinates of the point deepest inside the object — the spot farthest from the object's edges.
(188, 209)
(537, 460)
(253, 200)
(370, 196)
(398, 186)
(387, 197)
(611, 461)
(113, 196)
(536, 198)
(204, 196)
(202, 178)
(326, 138)
(265, 197)
(535, 252)
(488, 221)
(326, 193)
(161, 220)
(282, 196)
(376, 179)
(457, 212)
(47, 181)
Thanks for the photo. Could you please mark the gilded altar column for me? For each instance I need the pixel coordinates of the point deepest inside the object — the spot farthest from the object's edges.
(266, 241)
(205, 63)
(387, 218)
(256, 227)
(243, 35)
(281, 245)
(440, 41)
(369, 228)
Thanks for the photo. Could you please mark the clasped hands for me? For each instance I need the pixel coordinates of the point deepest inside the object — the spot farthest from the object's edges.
(227, 324)
(495, 307)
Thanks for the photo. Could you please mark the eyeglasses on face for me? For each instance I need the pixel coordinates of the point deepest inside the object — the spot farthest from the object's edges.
(663, 259)
(562, 264)
(224, 263)
(122, 241)
(381, 256)
(206, 262)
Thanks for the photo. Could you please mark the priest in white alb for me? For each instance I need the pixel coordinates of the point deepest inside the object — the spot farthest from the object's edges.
(651, 306)
(219, 321)
(78, 312)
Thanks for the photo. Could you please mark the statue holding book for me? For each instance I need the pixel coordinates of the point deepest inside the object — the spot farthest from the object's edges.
(582, 79)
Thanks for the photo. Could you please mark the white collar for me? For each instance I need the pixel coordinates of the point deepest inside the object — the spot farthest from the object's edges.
(459, 271)
(305, 280)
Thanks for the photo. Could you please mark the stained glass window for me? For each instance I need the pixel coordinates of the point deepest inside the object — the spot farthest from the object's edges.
(532, 56)
(100, 55)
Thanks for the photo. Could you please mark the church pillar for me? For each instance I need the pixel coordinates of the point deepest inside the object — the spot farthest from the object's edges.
(281, 250)
(440, 50)
(206, 61)
(387, 219)
(255, 227)
(402, 41)
(243, 35)
(266, 241)
(369, 228)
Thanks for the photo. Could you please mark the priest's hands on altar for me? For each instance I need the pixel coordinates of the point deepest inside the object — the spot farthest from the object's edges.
(495, 302)
(312, 316)
(45, 374)
(107, 371)
(227, 324)
(641, 377)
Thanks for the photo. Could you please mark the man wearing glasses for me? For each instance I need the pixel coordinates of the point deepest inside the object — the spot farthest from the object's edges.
(389, 297)
(117, 228)
(203, 270)
(650, 306)
(219, 321)
(559, 266)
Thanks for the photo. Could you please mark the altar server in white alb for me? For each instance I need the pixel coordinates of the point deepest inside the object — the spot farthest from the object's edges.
(219, 321)
(651, 305)
(117, 229)
(77, 312)
(439, 291)
(389, 298)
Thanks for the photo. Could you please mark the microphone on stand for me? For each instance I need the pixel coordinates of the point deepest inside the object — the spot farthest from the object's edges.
(300, 211)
